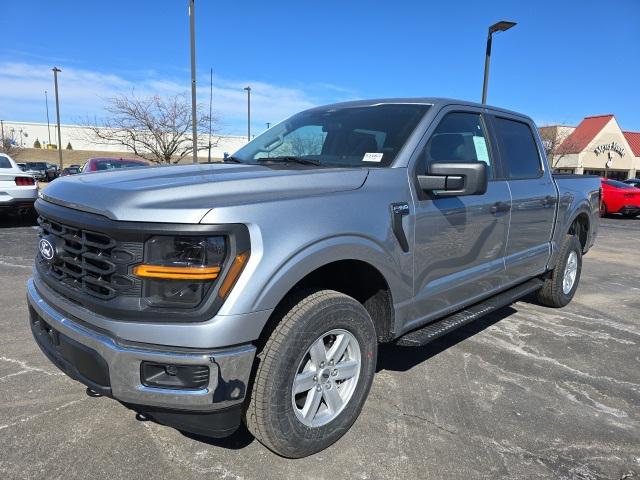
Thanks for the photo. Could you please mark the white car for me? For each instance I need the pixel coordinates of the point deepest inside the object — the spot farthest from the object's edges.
(18, 189)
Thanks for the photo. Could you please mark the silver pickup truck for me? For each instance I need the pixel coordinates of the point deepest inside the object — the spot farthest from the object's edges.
(259, 288)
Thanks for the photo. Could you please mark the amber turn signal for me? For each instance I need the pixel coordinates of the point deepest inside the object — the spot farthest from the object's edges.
(177, 273)
(234, 272)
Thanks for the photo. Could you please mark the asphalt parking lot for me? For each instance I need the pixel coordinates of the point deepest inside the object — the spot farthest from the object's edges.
(527, 392)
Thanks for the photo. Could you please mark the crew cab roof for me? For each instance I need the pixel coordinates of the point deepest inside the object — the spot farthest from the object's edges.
(438, 102)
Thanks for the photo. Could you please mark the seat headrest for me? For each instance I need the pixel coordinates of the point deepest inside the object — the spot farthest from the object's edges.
(447, 147)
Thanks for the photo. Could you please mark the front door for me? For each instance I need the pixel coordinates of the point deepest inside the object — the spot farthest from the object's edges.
(459, 241)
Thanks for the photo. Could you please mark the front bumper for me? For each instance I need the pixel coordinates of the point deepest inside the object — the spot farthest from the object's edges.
(112, 366)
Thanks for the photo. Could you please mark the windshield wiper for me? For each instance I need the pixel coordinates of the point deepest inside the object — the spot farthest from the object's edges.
(290, 159)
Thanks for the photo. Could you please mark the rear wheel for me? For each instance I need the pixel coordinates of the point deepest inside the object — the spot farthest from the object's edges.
(560, 287)
(603, 209)
(313, 375)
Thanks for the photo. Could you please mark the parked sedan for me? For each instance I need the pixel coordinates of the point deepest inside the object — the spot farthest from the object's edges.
(18, 189)
(635, 182)
(70, 171)
(619, 197)
(102, 164)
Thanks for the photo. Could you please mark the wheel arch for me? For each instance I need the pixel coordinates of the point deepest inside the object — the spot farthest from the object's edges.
(360, 268)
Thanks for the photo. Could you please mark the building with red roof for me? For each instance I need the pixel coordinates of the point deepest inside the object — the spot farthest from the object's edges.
(597, 146)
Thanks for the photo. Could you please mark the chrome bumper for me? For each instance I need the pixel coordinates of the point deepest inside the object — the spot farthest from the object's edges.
(229, 369)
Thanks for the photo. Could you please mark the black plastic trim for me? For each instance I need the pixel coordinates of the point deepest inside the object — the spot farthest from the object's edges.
(216, 424)
(78, 361)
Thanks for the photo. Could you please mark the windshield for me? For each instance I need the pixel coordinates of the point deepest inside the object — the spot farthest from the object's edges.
(37, 165)
(359, 136)
(111, 164)
(617, 184)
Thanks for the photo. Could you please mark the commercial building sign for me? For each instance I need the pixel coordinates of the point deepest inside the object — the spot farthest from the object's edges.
(609, 147)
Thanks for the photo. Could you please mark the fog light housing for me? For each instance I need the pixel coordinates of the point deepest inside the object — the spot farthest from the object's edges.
(177, 377)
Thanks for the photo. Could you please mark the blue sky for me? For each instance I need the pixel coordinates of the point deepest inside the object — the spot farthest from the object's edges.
(564, 59)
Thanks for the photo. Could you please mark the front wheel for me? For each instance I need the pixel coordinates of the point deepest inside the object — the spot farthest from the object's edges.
(560, 287)
(314, 374)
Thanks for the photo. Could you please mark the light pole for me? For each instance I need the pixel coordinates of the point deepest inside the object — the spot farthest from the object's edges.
(268, 125)
(248, 89)
(501, 26)
(2, 130)
(194, 119)
(210, 112)
(46, 103)
(56, 70)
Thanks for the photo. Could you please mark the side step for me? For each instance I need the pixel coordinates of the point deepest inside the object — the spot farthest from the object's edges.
(445, 325)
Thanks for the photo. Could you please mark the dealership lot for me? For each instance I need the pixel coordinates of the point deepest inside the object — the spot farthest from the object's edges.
(527, 392)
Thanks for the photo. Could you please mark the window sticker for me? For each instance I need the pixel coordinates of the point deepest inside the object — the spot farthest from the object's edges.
(372, 157)
(482, 154)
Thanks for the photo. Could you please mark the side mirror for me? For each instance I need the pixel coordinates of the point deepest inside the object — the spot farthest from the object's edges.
(455, 179)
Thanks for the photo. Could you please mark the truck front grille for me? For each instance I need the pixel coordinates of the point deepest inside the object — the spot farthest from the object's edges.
(89, 262)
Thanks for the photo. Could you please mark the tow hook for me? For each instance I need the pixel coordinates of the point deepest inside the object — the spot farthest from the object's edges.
(92, 393)
(141, 417)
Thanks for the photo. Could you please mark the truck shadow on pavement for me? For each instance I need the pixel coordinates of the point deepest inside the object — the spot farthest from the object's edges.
(239, 439)
(400, 359)
(390, 357)
(13, 221)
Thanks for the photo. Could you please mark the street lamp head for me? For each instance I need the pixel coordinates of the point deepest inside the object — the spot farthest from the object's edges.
(248, 89)
(56, 69)
(501, 26)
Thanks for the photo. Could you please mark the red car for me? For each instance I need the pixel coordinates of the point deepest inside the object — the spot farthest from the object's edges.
(619, 197)
(102, 164)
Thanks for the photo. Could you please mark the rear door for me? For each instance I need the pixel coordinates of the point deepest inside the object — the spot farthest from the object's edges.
(459, 241)
(533, 197)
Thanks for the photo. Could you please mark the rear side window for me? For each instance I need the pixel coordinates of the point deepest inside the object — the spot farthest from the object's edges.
(4, 162)
(518, 148)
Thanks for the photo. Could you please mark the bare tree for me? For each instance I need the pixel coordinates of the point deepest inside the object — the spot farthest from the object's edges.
(9, 144)
(155, 128)
(557, 143)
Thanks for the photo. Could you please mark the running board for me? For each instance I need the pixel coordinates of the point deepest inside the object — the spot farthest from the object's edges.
(445, 325)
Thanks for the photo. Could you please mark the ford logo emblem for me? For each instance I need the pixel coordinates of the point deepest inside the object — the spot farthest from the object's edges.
(47, 249)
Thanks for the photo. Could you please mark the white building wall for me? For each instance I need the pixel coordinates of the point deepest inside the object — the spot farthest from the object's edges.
(26, 133)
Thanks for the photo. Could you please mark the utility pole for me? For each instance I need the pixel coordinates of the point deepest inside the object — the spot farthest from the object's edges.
(194, 119)
(248, 89)
(2, 133)
(46, 102)
(502, 26)
(210, 105)
(55, 82)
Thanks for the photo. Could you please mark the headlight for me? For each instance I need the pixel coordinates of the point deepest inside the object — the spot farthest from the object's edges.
(180, 271)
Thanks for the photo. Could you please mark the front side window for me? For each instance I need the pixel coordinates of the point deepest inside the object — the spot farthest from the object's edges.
(459, 137)
(518, 149)
(359, 136)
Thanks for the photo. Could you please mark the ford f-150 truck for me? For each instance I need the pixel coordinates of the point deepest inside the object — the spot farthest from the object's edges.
(259, 288)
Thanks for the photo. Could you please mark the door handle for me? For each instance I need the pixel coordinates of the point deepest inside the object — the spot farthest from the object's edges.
(548, 200)
(500, 207)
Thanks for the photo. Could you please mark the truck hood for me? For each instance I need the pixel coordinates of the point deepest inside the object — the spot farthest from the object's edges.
(185, 193)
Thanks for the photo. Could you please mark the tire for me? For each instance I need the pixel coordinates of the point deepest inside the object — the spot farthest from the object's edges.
(554, 292)
(271, 415)
(603, 209)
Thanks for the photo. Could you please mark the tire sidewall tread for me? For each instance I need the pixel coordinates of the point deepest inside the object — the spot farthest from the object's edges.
(270, 415)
